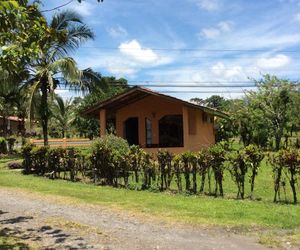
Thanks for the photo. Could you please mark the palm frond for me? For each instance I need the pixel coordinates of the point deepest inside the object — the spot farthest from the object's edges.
(68, 68)
(93, 81)
(63, 19)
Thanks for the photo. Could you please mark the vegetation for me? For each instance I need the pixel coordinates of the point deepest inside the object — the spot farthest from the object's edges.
(112, 162)
(183, 208)
(267, 117)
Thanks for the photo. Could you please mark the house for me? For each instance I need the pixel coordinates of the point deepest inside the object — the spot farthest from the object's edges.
(13, 124)
(157, 121)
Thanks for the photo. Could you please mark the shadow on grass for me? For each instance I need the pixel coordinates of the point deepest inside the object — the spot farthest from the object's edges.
(13, 236)
(8, 242)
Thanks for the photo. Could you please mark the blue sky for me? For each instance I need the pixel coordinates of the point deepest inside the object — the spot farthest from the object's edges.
(190, 42)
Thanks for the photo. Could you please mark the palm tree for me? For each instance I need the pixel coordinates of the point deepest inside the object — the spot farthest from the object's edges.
(68, 33)
(62, 113)
(10, 95)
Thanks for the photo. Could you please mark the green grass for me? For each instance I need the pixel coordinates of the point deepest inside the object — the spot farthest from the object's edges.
(187, 209)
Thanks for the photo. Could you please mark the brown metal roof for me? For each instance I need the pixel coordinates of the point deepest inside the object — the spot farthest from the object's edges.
(137, 93)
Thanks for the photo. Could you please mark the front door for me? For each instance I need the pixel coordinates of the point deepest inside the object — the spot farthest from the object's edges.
(132, 130)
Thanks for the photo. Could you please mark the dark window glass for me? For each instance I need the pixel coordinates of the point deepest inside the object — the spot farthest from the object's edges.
(171, 131)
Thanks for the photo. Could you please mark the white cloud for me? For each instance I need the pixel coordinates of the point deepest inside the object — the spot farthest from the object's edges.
(209, 5)
(225, 26)
(134, 50)
(210, 33)
(232, 73)
(117, 31)
(214, 32)
(132, 58)
(274, 62)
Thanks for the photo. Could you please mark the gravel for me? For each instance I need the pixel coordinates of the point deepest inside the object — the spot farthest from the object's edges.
(51, 223)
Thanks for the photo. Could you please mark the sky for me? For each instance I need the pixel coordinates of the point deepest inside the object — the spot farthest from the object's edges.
(190, 42)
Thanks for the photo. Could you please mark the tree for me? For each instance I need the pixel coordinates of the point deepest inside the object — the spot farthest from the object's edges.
(273, 99)
(214, 101)
(10, 96)
(62, 114)
(21, 28)
(89, 126)
(68, 33)
(250, 123)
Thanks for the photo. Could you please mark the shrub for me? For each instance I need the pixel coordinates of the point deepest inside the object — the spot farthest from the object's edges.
(136, 156)
(71, 159)
(27, 157)
(203, 158)
(238, 169)
(55, 161)
(106, 152)
(290, 161)
(11, 142)
(186, 160)
(254, 156)
(39, 160)
(3, 145)
(217, 153)
(177, 163)
(165, 168)
(148, 167)
(277, 174)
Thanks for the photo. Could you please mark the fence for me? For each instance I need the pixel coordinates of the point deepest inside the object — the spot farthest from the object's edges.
(64, 142)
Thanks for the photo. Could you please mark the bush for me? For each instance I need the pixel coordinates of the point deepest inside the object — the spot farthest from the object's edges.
(287, 162)
(165, 168)
(55, 161)
(39, 160)
(3, 145)
(204, 159)
(217, 153)
(254, 157)
(27, 157)
(106, 152)
(11, 143)
(238, 169)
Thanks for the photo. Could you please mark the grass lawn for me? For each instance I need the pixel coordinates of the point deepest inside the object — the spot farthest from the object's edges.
(273, 223)
(181, 208)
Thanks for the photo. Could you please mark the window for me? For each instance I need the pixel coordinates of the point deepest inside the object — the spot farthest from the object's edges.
(171, 131)
(148, 132)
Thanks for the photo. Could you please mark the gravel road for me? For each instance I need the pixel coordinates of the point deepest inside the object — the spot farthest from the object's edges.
(51, 223)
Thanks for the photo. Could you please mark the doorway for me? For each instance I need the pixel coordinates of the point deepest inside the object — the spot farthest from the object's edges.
(132, 130)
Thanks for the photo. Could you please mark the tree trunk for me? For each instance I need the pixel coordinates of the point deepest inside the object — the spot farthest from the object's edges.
(202, 182)
(292, 183)
(209, 180)
(194, 179)
(44, 111)
(4, 126)
(252, 181)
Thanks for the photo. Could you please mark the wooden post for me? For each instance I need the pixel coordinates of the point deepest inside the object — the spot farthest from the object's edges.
(185, 119)
(64, 142)
(102, 122)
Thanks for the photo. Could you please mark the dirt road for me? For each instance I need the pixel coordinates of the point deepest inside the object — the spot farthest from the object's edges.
(52, 224)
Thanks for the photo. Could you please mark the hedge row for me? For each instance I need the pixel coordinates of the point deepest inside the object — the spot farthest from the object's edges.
(113, 162)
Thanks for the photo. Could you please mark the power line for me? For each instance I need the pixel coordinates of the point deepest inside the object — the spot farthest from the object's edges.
(58, 7)
(201, 92)
(194, 49)
(187, 86)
